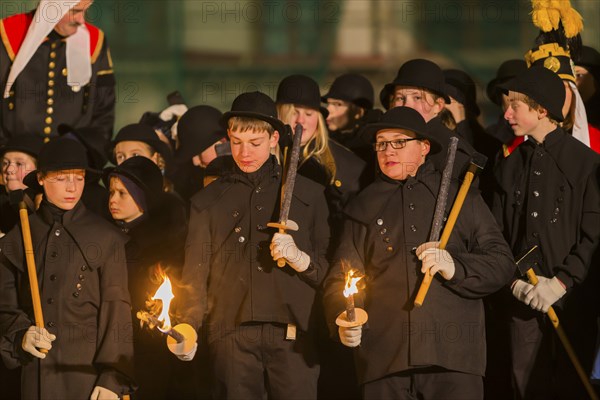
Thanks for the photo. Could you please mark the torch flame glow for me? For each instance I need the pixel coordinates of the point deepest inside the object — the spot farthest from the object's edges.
(351, 281)
(165, 294)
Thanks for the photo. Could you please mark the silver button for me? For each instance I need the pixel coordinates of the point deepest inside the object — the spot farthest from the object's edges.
(57, 232)
(538, 173)
(413, 228)
(534, 214)
(235, 214)
(241, 239)
(383, 231)
(379, 222)
(536, 193)
(260, 269)
(553, 220)
(237, 229)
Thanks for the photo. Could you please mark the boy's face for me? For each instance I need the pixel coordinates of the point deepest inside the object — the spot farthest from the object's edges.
(15, 166)
(63, 188)
(121, 205)
(133, 148)
(338, 114)
(522, 119)
(401, 163)
(251, 149)
(419, 100)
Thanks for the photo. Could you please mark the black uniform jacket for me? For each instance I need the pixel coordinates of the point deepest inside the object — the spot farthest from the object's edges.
(83, 289)
(40, 98)
(386, 223)
(228, 267)
(549, 195)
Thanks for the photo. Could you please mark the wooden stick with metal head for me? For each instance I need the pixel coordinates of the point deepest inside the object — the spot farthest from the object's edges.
(477, 163)
(288, 189)
(525, 266)
(18, 196)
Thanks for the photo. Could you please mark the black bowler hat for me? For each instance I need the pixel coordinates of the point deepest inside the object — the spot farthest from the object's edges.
(404, 118)
(198, 129)
(256, 105)
(462, 88)
(93, 141)
(553, 57)
(61, 154)
(28, 144)
(142, 133)
(542, 86)
(300, 90)
(507, 70)
(144, 174)
(353, 88)
(418, 73)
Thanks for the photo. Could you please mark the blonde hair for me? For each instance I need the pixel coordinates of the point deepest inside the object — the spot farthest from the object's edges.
(318, 145)
(245, 124)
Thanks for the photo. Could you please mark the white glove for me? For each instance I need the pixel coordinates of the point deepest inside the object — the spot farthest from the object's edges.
(435, 260)
(189, 356)
(545, 293)
(350, 337)
(520, 289)
(185, 350)
(283, 246)
(176, 110)
(101, 393)
(37, 338)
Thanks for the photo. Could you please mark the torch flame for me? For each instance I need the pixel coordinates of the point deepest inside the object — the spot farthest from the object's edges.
(351, 280)
(165, 294)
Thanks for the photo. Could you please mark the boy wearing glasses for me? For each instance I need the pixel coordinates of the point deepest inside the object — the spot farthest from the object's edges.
(438, 350)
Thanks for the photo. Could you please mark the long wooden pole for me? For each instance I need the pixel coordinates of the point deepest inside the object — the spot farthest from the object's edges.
(533, 279)
(31, 269)
(456, 207)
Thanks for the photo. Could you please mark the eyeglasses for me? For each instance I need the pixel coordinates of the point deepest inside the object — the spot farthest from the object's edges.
(396, 144)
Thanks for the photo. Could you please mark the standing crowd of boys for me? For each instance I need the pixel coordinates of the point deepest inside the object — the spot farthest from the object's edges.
(258, 249)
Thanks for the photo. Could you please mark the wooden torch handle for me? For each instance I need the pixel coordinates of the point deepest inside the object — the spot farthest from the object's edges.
(31, 269)
(456, 207)
(281, 261)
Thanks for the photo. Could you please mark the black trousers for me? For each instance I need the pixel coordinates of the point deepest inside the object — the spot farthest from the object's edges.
(426, 384)
(255, 361)
(541, 368)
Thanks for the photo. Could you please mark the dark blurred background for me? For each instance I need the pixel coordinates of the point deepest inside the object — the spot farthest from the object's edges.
(213, 50)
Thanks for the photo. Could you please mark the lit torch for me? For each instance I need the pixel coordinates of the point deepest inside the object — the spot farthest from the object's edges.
(352, 316)
(181, 339)
(163, 322)
(349, 291)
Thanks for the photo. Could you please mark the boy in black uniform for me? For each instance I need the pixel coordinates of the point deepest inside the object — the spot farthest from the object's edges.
(83, 287)
(548, 196)
(438, 350)
(255, 316)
